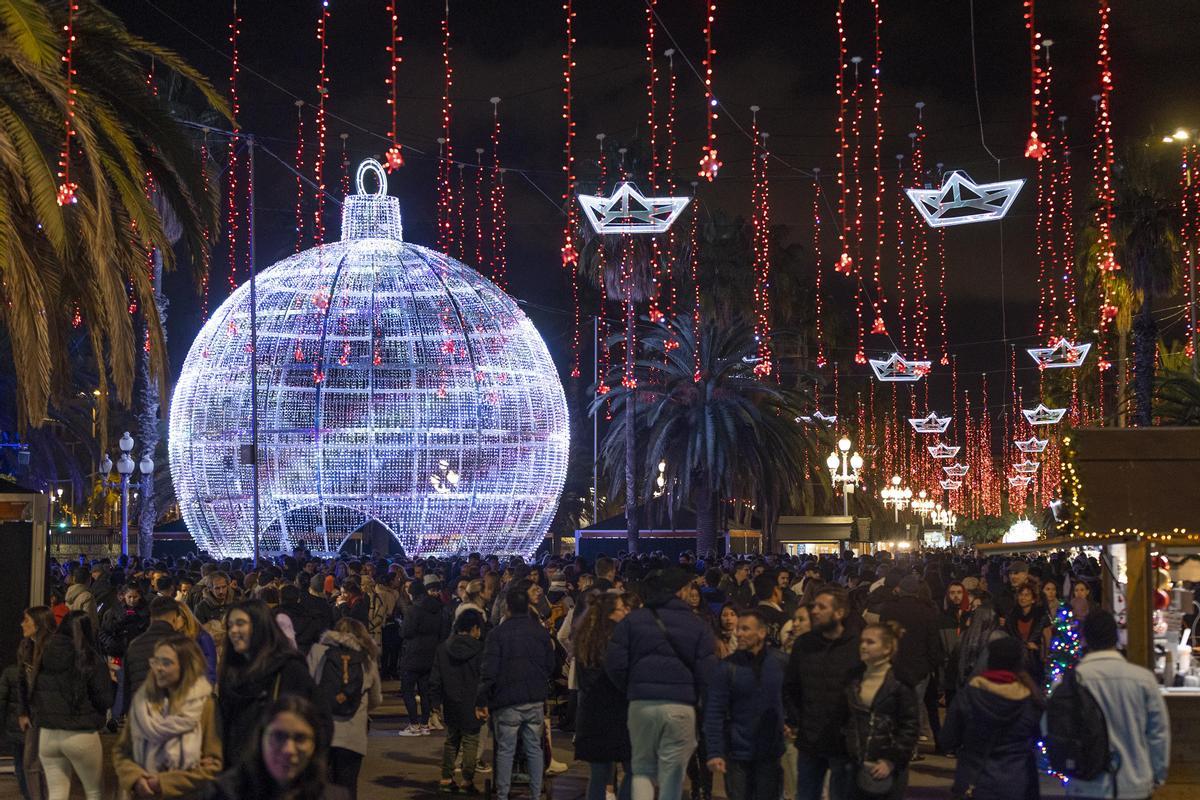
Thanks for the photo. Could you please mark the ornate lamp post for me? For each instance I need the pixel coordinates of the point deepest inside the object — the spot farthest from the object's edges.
(896, 496)
(125, 467)
(843, 470)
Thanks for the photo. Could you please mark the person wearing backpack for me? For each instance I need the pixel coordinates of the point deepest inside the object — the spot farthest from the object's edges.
(1112, 709)
(345, 666)
(992, 728)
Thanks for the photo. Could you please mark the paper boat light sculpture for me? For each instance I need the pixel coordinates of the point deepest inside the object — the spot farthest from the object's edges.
(1062, 354)
(955, 470)
(1027, 467)
(1031, 445)
(818, 418)
(1019, 480)
(941, 450)
(1042, 415)
(628, 211)
(950, 484)
(930, 424)
(899, 369)
(960, 201)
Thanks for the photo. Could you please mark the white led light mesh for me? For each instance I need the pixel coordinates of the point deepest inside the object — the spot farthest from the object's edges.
(394, 384)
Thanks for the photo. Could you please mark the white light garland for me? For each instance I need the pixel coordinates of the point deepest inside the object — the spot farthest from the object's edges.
(395, 384)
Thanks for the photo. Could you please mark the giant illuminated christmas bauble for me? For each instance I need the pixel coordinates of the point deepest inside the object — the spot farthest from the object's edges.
(394, 384)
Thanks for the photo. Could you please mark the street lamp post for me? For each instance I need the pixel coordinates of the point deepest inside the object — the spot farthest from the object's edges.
(125, 467)
(896, 496)
(843, 469)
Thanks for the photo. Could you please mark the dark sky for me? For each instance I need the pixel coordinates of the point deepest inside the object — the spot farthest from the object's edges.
(778, 54)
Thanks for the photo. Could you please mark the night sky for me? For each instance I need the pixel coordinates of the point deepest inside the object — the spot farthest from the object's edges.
(781, 56)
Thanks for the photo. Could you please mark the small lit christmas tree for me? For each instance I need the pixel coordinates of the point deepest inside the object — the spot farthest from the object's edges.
(1065, 647)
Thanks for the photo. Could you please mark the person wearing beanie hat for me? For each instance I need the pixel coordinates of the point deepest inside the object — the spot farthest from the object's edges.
(992, 727)
(1139, 729)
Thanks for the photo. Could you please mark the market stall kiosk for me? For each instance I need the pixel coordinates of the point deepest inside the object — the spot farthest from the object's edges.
(1134, 494)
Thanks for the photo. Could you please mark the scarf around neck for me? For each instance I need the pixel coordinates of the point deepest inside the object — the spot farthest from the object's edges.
(166, 739)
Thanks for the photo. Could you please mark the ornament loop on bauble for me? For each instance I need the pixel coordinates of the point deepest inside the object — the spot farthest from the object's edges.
(371, 165)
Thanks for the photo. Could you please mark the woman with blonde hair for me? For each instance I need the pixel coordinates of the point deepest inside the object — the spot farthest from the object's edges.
(208, 648)
(171, 746)
(347, 658)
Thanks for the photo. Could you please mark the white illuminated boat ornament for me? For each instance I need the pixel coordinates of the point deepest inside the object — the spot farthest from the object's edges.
(955, 470)
(1027, 467)
(960, 201)
(628, 211)
(1042, 415)
(1031, 445)
(950, 484)
(897, 368)
(1062, 354)
(941, 450)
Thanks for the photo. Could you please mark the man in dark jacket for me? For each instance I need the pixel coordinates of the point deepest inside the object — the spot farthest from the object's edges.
(453, 686)
(514, 682)
(769, 596)
(165, 619)
(426, 624)
(317, 609)
(124, 622)
(304, 623)
(661, 657)
(743, 714)
(215, 599)
(814, 697)
(919, 654)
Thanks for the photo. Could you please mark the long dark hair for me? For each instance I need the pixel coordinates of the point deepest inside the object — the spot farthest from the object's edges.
(267, 644)
(78, 626)
(29, 652)
(595, 632)
(251, 778)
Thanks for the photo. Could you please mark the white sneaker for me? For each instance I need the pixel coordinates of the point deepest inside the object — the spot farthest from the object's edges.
(425, 730)
(556, 767)
(411, 730)
(435, 723)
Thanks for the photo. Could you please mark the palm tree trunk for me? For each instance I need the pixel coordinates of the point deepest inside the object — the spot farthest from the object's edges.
(1146, 342)
(1122, 377)
(706, 517)
(147, 422)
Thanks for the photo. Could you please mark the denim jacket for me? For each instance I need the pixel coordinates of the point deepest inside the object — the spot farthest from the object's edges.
(1139, 732)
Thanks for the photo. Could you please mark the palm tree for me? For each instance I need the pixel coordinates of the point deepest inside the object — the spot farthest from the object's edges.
(725, 433)
(79, 256)
(1177, 398)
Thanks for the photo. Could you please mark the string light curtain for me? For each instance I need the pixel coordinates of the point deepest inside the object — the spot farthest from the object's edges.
(394, 157)
(761, 241)
(879, 299)
(1102, 168)
(445, 199)
(570, 252)
(1035, 147)
(1189, 227)
(499, 232)
(67, 188)
(818, 268)
(322, 100)
(298, 165)
(234, 207)
(710, 164)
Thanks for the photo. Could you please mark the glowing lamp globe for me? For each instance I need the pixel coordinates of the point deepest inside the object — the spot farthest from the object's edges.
(395, 384)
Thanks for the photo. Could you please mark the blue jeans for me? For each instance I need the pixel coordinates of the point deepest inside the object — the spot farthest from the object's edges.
(663, 736)
(810, 776)
(524, 721)
(601, 774)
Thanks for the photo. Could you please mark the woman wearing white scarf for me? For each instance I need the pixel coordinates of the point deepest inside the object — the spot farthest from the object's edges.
(171, 746)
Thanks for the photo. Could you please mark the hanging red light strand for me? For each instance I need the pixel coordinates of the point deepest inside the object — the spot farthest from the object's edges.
(301, 189)
(67, 188)
(394, 157)
(445, 202)
(694, 269)
(761, 240)
(345, 137)
(322, 100)
(206, 251)
(818, 269)
(669, 170)
(479, 174)
(920, 246)
(904, 232)
(602, 327)
(654, 312)
(499, 265)
(939, 237)
(232, 215)
(570, 252)
(844, 258)
(1065, 228)
(710, 164)
(1189, 229)
(1102, 164)
(879, 300)
(1036, 146)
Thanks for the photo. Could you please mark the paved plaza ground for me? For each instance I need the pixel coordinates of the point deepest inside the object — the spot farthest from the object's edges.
(400, 768)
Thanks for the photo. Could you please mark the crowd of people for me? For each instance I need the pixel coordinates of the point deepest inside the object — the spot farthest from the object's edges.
(787, 676)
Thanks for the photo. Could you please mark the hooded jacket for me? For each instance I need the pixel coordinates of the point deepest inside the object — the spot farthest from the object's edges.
(80, 598)
(65, 699)
(454, 682)
(426, 624)
(647, 665)
(992, 727)
(349, 734)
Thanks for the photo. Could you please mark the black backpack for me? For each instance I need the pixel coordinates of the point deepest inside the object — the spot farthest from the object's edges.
(341, 681)
(1076, 731)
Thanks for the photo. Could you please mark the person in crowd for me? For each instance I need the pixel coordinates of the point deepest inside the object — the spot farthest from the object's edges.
(884, 721)
(726, 642)
(737, 586)
(1081, 599)
(797, 625)
(124, 622)
(58, 605)
(37, 626)
(992, 727)
(518, 663)
(214, 599)
(982, 630)
(769, 595)
(11, 733)
(819, 670)
(286, 759)
(79, 596)
(601, 730)
(191, 627)
(71, 696)
(171, 745)
(661, 657)
(165, 620)
(920, 654)
(259, 667)
(425, 626)
(956, 607)
(453, 687)
(743, 713)
(1139, 730)
(1027, 622)
(882, 594)
(1050, 599)
(711, 592)
(344, 664)
(1005, 599)
(304, 626)
(352, 603)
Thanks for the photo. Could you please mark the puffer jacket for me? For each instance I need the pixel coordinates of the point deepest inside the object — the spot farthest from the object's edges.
(122, 624)
(454, 682)
(10, 704)
(644, 664)
(426, 624)
(814, 692)
(991, 727)
(743, 715)
(64, 699)
(518, 662)
(887, 729)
